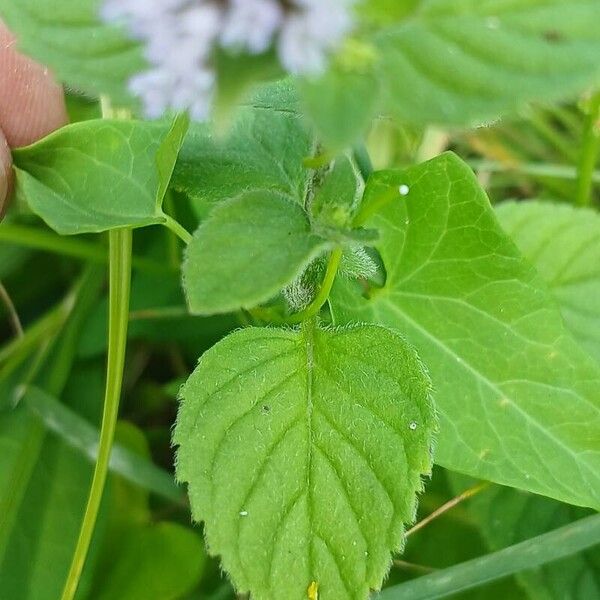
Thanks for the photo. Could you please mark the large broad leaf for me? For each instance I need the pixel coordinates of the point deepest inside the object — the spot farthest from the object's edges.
(68, 36)
(304, 452)
(506, 516)
(247, 251)
(100, 174)
(564, 245)
(463, 62)
(472, 60)
(519, 399)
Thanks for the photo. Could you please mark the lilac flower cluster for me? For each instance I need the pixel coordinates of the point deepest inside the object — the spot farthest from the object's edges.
(180, 37)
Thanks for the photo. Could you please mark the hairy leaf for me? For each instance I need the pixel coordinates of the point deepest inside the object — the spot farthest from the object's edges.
(100, 174)
(518, 397)
(68, 36)
(263, 150)
(246, 252)
(469, 61)
(304, 452)
(564, 245)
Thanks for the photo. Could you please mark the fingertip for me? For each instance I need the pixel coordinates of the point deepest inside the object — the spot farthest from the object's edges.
(5, 173)
(32, 104)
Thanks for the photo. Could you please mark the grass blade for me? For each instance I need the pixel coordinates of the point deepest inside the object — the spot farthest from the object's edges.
(79, 434)
(529, 554)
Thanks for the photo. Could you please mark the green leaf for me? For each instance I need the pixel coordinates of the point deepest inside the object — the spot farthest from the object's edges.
(156, 561)
(342, 102)
(534, 552)
(517, 395)
(470, 61)
(335, 201)
(44, 486)
(101, 174)
(264, 150)
(68, 36)
(247, 251)
(564, 245)
(76, 432)
(289, 439)
(507, 516)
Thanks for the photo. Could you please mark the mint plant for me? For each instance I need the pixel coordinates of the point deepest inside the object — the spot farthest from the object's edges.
(330, 328)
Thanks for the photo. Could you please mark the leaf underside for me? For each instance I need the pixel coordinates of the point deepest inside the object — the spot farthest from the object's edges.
(304, 451)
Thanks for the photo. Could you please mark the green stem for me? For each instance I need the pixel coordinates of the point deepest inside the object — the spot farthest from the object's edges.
(172, 239)
(369, 209)
(182, 233)
(315, 306)
(120, 280)
(589, 152)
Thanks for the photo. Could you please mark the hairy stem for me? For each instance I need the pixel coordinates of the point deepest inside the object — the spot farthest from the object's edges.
(267, 314)
(120, 279)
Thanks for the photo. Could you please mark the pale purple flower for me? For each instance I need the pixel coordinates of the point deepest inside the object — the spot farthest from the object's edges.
(251, 24)
(180, 37)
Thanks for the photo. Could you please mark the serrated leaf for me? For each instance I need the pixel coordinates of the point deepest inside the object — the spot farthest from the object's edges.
(263, 150)
(517, 395)
(563, 243)
(506, 516)
(289, 440)
(101, 174)
(470, 61)
(68, 36)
